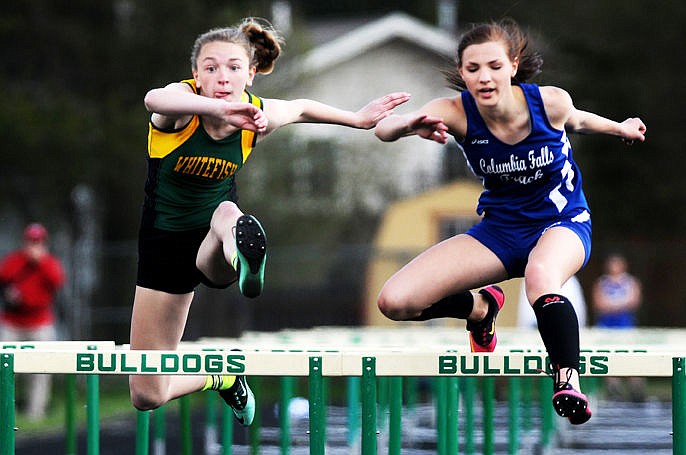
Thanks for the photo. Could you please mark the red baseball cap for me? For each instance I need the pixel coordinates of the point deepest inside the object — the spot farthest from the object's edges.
(35, 232)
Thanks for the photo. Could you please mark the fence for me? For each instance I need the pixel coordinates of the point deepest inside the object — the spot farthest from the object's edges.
(359, 362)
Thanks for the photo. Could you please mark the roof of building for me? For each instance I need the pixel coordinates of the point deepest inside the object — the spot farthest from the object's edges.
(373, 34)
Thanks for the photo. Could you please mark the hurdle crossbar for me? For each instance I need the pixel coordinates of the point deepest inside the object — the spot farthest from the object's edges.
(343, 363)
(369, 364)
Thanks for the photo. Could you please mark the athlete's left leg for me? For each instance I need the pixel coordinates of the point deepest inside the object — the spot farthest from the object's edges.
(557, 256)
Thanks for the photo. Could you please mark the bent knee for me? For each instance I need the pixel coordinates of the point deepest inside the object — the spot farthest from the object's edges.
(145, 398)
(227, 208)
(392, 305)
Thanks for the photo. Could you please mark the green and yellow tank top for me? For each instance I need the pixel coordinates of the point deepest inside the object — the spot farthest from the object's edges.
(190, 173)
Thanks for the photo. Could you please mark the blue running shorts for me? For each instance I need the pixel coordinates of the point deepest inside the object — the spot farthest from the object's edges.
(512, 243)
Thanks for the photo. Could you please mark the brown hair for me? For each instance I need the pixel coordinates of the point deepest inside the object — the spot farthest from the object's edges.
(508, 32)
(259, 39)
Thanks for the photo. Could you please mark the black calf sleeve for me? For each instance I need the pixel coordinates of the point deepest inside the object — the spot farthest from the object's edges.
(559, 329)
(454, 306)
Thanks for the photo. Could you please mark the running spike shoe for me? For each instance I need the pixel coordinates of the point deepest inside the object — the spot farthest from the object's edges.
(482, 337)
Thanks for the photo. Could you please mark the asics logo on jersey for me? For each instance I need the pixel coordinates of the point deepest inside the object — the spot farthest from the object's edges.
(479, 141)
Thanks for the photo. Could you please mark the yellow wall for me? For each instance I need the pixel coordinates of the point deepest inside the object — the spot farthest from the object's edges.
(411, 226)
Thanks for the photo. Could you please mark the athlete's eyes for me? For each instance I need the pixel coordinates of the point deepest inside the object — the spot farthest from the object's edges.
(210, 68)
(495, 67)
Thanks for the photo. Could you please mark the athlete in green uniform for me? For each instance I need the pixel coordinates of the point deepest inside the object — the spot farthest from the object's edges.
(192, 231)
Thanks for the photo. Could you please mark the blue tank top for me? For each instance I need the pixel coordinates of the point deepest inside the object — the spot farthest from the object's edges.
(617, 292)
(531, 181)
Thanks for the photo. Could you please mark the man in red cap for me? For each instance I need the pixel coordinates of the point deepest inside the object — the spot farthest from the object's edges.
(30, 278)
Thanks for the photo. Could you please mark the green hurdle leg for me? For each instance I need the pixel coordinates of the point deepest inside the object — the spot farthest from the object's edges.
(679, 405)
(211, 432)
(369, 406)
(70, 433)
(514, 398)
(227, 429)
(527, 397)
(440, 399)
(452, 440)
(287, 386)
(185, 423)
(411, 390)
(489, 414)
(353, 400)
(317, 408)
(160, 431)
(382, 386)
(547, 414)
(395, 406)
(468, 397)
(7, 404)
(142, 432)
(254, 430)
(93, 414)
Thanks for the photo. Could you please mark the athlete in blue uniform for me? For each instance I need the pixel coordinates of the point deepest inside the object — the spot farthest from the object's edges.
(192, 230)
(536, 222)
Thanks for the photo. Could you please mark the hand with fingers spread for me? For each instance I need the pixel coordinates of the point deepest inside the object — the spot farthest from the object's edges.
(380, 108)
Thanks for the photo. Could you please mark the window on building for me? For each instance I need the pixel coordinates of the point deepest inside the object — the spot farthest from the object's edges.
(314, 170)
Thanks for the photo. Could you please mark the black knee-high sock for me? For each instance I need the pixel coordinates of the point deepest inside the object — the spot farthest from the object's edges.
(454, 306)
(559, 329)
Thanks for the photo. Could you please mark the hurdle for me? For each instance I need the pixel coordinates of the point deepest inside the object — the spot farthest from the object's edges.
(368, 364)
(70, 387)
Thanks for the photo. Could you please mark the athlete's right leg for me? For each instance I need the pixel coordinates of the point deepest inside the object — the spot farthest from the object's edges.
(157, 323)
(235, 247)
(437, 283)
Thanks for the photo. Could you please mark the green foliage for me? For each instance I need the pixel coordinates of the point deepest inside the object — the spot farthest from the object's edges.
(74, 75)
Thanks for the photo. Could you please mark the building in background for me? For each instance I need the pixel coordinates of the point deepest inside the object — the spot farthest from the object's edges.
(328, 168)
(411, 226)
(321, 190)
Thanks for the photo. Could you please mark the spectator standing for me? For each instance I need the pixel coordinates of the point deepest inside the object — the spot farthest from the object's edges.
(616, 299)
(616, 295)
(30, 278)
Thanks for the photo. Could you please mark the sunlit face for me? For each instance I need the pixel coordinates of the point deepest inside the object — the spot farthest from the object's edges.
(487, 71)
(224, 70)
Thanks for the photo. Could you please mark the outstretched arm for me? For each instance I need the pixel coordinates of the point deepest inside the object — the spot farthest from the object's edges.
(177, 102)
(281, 112)
(433, 121)
(563, 114)
(396, 126)
(631, 129)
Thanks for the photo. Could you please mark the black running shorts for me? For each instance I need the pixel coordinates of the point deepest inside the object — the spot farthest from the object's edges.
(166, 260)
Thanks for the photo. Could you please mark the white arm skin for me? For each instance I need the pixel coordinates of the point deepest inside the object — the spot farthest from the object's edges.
(173, 106)
(562, 114)
(282, 112)
(433, 122)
